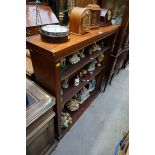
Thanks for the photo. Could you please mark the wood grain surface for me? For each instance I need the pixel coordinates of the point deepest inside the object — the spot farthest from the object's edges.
(76, 42)
(46, 13)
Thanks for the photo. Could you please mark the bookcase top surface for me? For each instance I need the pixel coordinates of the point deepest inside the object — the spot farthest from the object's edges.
(75, 41)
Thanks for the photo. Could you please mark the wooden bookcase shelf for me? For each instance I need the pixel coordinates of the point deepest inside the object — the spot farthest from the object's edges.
(46, 60)
(82, 63)
(72, 90)
(76, 114)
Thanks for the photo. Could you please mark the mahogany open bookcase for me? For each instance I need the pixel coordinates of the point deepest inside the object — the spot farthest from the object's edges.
(46, 60)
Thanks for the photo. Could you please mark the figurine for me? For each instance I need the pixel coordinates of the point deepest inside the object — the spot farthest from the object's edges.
(73, 105)
(66, 120)
(83, 95)
(91, 66)
(84, 75)
(94, 47)
(81, 53)
(65, 83)
(90, 51)
(92, 85)
(63, 62)
(74, 58)
(62, 92)
(100, 59)
(98, 48)
(77, 81)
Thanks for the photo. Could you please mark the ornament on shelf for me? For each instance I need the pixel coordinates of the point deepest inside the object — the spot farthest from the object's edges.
(84, 75)
(100, 59)
(77, 81)
(90, 51)
(95, 47)
(92, 85)
(62, 92)
(81, 53)
(73, 105)
(65, 83)
(102, 44)
(91, 66)
(83, 95)
(66, 120)
(98, 48)
(63, 64)
(74, 58)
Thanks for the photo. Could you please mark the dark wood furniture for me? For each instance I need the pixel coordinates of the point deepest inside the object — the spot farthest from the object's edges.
(46, 14)
(46, 59)
(48, 17)
(120, 55)
(40, 138)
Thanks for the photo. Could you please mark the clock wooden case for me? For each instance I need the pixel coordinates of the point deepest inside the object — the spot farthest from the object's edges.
(95, 14)
(80, 20)
(105, 17)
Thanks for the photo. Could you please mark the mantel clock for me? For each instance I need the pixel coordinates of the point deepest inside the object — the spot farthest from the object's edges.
(95, 14)
(80, 20)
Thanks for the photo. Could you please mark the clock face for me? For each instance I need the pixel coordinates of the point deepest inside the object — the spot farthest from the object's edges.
(109, 15)
(95, 18)
(86, 21)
